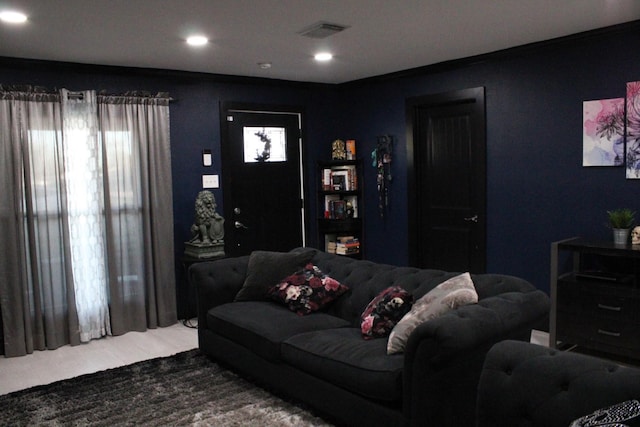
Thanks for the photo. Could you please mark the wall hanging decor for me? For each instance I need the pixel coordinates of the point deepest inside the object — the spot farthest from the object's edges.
(603, 132)
(381, 157)
(633, 130)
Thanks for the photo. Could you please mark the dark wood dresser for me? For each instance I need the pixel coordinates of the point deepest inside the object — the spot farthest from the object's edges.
(595, 297)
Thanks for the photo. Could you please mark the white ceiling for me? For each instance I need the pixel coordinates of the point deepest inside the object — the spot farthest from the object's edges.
(384, 36)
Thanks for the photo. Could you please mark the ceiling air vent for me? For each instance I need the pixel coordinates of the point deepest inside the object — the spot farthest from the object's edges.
(322, 30)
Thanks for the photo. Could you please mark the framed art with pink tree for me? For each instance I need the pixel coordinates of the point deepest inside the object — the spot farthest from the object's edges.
(633, 130)
(603, 132)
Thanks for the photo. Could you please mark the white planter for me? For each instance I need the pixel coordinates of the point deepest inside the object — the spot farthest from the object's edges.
(621, 236)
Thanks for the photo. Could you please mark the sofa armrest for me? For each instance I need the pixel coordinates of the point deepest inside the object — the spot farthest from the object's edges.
(444, 356)
(527, 384)
(217, 282)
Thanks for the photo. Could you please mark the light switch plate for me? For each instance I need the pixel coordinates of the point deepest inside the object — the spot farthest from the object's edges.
(210, 181)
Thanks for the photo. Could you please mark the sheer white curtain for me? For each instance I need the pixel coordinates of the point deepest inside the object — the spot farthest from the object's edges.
(81, 255)
(85, 211)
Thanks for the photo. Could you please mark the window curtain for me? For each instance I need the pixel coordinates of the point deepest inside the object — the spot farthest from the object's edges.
(86, 217)
(135, 132)
(83, 184)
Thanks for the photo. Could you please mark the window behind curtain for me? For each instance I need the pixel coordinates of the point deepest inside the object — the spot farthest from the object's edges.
(86, 215)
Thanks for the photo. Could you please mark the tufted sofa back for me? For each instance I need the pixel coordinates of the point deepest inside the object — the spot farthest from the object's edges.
(366, 279)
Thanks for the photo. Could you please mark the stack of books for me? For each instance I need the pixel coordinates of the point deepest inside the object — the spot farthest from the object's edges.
(347, 245)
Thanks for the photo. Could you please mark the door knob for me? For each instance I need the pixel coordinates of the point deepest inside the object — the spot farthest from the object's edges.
(238, 224)
(472, 218)
(237, 211)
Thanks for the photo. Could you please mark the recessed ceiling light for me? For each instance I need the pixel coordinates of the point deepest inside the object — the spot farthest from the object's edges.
(13, 17)
(323, 56)
(197, 40)
(264, 65)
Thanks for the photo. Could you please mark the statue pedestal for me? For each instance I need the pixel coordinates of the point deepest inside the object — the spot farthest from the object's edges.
(204, 250)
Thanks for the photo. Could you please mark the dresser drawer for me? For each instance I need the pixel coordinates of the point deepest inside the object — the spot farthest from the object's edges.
(615, 302)
(601, 333)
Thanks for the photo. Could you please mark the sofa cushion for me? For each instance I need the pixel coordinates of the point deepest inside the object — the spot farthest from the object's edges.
(384, 311)
(453, 293)
(342, 357)
(307, 290)
(266, 269)
(263, 326)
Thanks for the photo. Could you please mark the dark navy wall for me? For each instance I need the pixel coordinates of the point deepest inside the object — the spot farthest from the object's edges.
(538, 191)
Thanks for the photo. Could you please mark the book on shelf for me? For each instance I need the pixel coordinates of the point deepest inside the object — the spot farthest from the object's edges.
(347, 252)
(330, 243)
(326, 179)
(340, 250)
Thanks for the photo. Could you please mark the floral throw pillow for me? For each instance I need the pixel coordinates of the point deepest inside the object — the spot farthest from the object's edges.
(384, 311)
(307, 290)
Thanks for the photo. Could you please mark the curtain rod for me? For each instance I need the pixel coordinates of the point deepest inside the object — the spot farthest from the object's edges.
(80, 95)
(138, 94)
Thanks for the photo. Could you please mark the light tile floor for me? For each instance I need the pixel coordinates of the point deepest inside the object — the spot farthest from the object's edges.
(44, 367)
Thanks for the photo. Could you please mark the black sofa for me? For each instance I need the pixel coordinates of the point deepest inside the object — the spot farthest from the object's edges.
(322, 360)
(530, 385)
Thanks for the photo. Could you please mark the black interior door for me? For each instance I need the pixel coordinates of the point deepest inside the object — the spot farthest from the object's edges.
(449, 167)
(261, 174)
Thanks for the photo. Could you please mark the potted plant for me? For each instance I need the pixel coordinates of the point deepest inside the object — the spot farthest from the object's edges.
(621, 221)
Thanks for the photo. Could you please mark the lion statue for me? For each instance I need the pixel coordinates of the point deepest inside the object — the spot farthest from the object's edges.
(209, 225)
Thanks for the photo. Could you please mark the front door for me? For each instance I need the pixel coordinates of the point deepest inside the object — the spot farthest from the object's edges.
(261, 180)
(447, 218)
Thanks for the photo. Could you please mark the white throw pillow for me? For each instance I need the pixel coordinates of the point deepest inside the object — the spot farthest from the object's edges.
(448, 295)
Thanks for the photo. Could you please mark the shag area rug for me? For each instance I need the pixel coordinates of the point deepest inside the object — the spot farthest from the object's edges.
(186, 389)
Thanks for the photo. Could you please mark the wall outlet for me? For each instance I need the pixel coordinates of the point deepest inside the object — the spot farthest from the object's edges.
(210, 181)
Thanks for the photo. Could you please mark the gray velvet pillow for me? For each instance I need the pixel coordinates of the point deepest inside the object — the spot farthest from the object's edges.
(267, 269)
(448, 295)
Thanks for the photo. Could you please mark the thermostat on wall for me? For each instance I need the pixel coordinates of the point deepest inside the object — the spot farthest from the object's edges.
(207, 158)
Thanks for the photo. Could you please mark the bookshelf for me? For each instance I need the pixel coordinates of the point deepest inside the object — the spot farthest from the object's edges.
(340, 207)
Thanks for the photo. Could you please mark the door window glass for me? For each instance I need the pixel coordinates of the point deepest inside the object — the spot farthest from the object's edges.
(264, 144)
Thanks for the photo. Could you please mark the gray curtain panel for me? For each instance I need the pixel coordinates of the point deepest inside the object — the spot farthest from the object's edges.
(85, 217)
